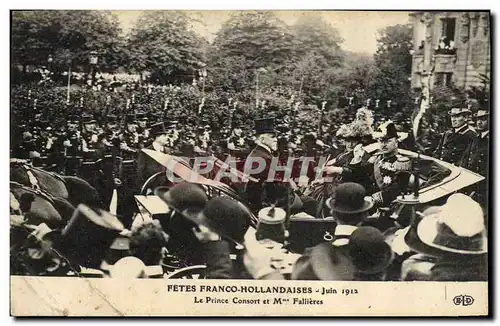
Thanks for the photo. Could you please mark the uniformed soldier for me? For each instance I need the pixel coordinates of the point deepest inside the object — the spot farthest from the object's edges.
(142, 129)
(309, 144)
(73, 145)
(28, 146)
(236, 142)
(111, 123)
(127, 170)
(90, 154)
(89, 135)
(477, 155)
(391, 171)
(453, 145)
(129, 138)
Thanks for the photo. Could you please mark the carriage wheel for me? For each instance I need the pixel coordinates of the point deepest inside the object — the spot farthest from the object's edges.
(190, 273)
(156, 180)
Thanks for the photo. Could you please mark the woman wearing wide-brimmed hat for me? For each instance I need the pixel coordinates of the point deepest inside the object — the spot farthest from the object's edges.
(350, 166)
(451, 243)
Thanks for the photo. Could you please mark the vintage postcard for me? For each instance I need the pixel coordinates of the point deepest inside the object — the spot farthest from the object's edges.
(249, 163)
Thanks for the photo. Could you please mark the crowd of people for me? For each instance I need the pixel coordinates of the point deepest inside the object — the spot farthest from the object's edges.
(365, 232)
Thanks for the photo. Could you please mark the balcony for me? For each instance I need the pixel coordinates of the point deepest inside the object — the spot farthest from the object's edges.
(418, 63)
(445, 62)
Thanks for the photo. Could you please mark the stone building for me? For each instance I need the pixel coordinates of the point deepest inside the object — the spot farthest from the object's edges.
(454, 46)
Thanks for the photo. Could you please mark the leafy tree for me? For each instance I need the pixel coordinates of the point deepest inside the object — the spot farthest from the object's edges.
(66, 35)
(246, 43)
(312, 34)
(393, 62)
(357, 78)
(163, 43)
(258, 36)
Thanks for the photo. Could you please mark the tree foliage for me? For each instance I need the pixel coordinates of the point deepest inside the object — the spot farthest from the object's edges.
(393, 64)
(305, 57)
(67, 35)
(162, 42)
(312, 34)
(259, 37)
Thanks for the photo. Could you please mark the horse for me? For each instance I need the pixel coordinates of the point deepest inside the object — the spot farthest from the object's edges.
(73, 189)
(38, 207)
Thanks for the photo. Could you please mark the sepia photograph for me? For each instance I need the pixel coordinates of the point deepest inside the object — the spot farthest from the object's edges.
(249, 162)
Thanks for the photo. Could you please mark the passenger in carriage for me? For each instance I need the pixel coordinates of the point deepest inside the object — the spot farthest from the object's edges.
(351, 165)
(391, 171)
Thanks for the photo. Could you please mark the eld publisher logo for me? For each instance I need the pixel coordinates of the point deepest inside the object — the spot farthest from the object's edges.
(464, 300)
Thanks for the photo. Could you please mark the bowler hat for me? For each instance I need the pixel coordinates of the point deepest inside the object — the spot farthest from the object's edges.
(350, 198)
(457, 111)
(365, 253)
(369, 251)
(183, 196)
(228, 217)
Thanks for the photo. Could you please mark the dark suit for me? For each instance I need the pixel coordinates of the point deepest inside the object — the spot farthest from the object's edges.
(453, 145)
(476, 159)
(258, 192)
(477, 154)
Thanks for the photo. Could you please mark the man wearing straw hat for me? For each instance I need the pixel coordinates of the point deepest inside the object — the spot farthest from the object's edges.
(454, 142)
(451, 242)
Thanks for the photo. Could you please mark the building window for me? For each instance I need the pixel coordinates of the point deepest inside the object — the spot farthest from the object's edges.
(443, 79)
(447, 41)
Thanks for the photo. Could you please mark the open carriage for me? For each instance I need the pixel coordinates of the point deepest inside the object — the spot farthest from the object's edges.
(437, 180)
